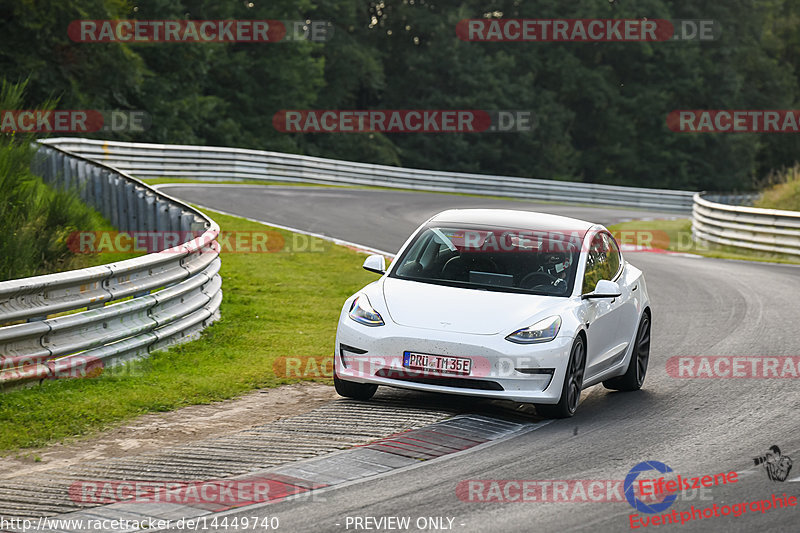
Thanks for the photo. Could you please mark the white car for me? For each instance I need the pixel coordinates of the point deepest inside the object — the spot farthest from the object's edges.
(499, 304)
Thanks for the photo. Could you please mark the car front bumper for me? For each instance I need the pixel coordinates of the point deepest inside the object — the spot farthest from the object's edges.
(500, 369)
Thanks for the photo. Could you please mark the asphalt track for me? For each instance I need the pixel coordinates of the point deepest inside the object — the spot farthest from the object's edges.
(701, 306)
(379, 218)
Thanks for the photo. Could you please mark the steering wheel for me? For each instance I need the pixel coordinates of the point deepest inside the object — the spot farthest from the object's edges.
(549, 279)
(455, 269)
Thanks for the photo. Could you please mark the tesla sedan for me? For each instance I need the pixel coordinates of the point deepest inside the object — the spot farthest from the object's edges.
(499, 304)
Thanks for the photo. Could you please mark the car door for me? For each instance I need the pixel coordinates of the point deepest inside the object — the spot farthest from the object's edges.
(628, 284)
(606, 342)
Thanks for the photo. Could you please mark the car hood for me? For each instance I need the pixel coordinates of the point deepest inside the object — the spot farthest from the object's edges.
(480, 312)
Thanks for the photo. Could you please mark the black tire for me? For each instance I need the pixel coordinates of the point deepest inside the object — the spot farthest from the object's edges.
(351, 389)
(633, 378)
(573, 383)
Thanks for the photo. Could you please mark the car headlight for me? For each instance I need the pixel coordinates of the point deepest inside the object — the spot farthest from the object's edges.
(543, 331)
(362, 312)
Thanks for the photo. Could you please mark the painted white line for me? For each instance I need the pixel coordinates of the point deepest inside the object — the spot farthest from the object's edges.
(687, 254)
(239, 185)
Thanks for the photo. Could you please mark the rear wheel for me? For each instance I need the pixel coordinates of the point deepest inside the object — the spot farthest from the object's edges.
(633, 378)
(573, 382)
(351, 389)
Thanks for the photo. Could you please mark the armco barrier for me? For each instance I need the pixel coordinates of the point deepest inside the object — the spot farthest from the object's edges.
(200, 162)
(766, 230)
(170, 295)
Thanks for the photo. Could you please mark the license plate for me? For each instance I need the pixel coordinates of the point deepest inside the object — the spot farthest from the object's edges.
(437, 363)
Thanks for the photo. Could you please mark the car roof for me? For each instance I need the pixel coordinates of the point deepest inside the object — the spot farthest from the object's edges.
(512, 218)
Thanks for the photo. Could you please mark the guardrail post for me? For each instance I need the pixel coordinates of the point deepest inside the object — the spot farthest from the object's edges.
(186, 220)
(113, 196)
(53, 164)
(122, 205)
(175, 218)
(130, 206)
(106, 207)
(198, 225)
(150, 213)
(97, 190)
(65, 172)
(162, 216)
(141, 210)
(74, 177)
(80, 180)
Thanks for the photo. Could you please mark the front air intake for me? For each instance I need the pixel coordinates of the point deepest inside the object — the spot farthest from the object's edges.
(460, 383)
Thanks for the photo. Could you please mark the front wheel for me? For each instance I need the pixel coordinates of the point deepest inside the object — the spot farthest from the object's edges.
(351, 389)
(573, 382)
(633, 378)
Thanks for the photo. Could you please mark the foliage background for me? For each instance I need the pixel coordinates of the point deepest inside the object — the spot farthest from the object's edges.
(35, 219)
(601, 107)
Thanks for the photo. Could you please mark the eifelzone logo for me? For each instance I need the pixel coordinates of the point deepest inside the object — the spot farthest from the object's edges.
(630, 483)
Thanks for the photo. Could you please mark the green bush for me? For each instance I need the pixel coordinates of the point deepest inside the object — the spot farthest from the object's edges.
(35, 219)
(784, 192)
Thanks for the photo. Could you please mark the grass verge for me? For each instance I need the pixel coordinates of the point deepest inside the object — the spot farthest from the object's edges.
(783, 192)
(274, 304)
(676, 236)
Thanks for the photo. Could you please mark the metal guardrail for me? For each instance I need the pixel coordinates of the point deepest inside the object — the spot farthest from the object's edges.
(766, 230)
(133, 307)
(200, 162)
(743, 199)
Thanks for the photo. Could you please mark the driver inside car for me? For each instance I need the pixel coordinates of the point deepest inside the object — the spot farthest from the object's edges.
(554, 267)
(556, 264)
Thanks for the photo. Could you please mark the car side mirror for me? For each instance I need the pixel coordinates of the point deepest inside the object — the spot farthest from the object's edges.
(604, 289)
(375, 263)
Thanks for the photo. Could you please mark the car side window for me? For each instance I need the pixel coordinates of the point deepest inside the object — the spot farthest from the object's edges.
(614, 257)
(597, 264)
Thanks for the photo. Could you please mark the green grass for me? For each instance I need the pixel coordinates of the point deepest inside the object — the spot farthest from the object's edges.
(37, 221)
(676, 236)
(784, 191)
(274, 304)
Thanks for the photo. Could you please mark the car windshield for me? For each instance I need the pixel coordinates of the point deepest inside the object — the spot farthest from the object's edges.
(496, 259)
